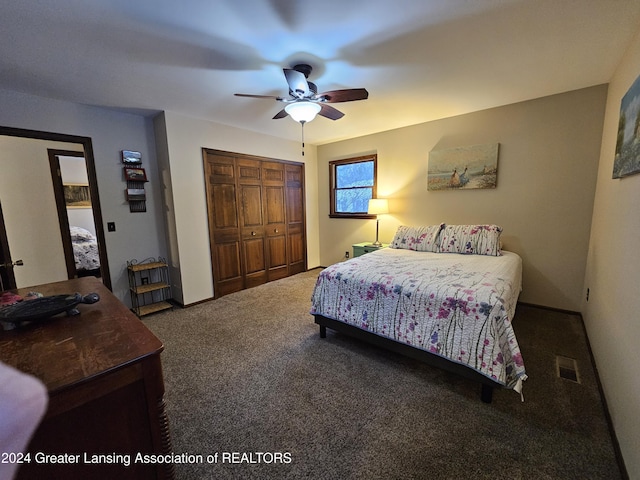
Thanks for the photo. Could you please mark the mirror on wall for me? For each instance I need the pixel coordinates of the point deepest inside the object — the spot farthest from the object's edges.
(48, 185)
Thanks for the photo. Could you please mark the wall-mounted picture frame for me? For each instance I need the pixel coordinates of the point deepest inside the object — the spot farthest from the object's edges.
(136, 194)
(130, 157)
(77, 195)
(627, 157)
(135, 174)
(463, 168)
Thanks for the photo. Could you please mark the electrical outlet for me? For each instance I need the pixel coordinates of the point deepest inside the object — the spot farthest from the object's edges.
(346, 254)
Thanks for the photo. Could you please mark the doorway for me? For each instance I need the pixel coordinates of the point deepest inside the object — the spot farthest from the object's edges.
(75, 212)
(30, 208)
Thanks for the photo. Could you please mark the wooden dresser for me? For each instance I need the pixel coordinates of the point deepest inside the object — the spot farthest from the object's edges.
(104, 377)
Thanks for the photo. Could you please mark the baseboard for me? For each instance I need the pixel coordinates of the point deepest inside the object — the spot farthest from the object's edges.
(553, 309)
(187, 305)
(614, 438)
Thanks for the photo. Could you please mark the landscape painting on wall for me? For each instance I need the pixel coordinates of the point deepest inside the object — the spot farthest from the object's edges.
(627, 159)
(465, 168)
(77, 196)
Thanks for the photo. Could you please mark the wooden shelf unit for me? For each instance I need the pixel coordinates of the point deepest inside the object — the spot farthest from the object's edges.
(149, 286)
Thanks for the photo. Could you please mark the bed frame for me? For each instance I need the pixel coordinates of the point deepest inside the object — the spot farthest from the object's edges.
(411, 352)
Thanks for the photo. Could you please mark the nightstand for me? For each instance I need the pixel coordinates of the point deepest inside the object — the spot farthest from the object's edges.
(366, 247)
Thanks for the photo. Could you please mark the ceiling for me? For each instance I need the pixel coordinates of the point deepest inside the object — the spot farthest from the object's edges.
(420, 60)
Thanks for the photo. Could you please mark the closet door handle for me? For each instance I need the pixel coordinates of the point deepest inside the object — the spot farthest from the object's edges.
(253, 233)
(275, 230)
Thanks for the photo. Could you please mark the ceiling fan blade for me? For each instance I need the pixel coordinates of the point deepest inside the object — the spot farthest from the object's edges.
(330, 112)
(297, 83)
(281, 114)
(347, 95)
(257, 96)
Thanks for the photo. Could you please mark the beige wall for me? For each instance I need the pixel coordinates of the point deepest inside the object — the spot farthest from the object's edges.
(613, 276)
(29, 209)
(180, 141)
(547, 169)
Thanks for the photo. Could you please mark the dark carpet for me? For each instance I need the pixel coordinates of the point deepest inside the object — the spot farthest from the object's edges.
(253, 392)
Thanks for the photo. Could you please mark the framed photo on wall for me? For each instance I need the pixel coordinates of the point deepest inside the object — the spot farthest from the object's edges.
(463, 168)
(627, 157)
(135, 174)
(135, 194)
(131, 158)
(76, 195)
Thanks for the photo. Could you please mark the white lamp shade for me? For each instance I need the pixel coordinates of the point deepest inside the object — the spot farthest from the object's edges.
(302, 111)
(378, 206)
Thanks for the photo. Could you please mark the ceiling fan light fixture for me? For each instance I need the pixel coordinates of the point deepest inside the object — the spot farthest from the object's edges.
(302, 111)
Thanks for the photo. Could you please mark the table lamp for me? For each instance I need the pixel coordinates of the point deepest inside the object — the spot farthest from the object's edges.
(378, 206)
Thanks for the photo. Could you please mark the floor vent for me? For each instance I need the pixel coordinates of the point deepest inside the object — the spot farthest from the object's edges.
(567, 368)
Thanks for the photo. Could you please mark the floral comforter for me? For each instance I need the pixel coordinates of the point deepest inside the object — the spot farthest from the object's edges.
(457, 306)
(85, 249)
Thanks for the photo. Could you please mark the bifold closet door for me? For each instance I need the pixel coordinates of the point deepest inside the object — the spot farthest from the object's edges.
(224, 231)
(251, 220)
(275, 219)
(297, 243)
(256, 220)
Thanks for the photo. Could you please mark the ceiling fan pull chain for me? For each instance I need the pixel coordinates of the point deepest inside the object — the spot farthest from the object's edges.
(302, 123)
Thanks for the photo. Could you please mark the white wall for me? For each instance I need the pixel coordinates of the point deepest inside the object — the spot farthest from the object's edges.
(137, 235)
(83, 218)
(547, 168)
(613, 276)
(180, 143)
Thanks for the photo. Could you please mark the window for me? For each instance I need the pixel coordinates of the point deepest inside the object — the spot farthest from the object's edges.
(352, 183)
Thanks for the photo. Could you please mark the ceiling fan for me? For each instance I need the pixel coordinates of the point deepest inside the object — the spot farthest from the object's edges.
(304, 102)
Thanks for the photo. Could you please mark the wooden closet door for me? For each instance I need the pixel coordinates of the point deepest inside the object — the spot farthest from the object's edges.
(224, 232)
(296, 228)
(251, 220)
(275, 219)
(256, 219)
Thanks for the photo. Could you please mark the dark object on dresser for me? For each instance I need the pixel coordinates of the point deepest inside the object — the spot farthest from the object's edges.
(41, 308)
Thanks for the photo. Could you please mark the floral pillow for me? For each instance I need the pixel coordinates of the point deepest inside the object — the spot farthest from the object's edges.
(421, 239)
(471, 239)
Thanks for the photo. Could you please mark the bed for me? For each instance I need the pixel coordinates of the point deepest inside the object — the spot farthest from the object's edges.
(85, 252)
(442, 294)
